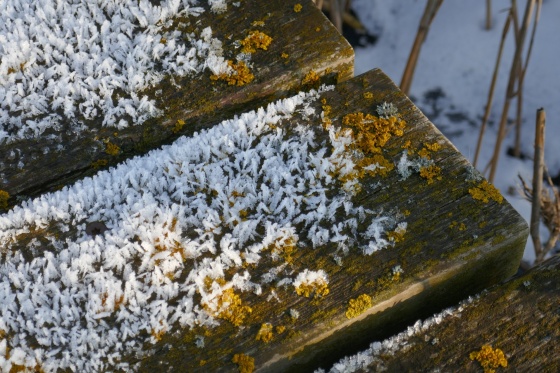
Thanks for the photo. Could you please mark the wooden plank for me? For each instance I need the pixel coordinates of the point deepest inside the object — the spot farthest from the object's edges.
(303, 42)
(518, 321)
(309, 240)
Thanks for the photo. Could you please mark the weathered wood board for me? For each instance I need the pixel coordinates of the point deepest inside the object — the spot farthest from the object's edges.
(281, 240)
(303, 43)
(519, 318)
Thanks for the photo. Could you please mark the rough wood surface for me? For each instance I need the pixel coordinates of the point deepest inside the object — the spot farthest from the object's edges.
(455, 245)
(461, 237)
(519, 317)
(303, 41)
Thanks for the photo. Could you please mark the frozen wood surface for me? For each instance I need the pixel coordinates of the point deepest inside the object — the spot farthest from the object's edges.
(302, 42)
(428, 231)
(519, 317)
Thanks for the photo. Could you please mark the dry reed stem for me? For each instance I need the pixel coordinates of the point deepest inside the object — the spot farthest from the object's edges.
(517, 146)
(515, 71)
(545, 202)
(347, 17)
(537, 180)
(432, 6)
(492, 88)
(488, 14)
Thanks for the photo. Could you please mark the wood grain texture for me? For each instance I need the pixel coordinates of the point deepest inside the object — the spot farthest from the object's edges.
(454, 246)
(520, 317)
(34, 166)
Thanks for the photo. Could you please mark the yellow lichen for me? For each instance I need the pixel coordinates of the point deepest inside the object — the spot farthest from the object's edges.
(255, 40)
(285, 248)
(265, 333)
(430, 173)
(230, 308)
(245, 363)
(368, 95)
(408, 146)
(358, 306)
(317, 29)
(240, 75)
(490, 359)
(373, 132)
(257, 23)
(310, 79)
(111, 148)
(298, 8)
(433, 147)
(280, 329)
(319, 287)
(485, 192)
(284, 55)
(4, 197)
(178, 126)
(397, 235)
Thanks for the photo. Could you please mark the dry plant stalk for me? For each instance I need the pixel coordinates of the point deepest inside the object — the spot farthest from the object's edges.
(432, 6)
(545, 201)
(339, 11)
(517, 147)
(511, 92)
(492, 88)
(488, 14)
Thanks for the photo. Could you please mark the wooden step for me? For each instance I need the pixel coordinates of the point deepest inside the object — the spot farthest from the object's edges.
(304, 50)
(280, 240)
(514, 326)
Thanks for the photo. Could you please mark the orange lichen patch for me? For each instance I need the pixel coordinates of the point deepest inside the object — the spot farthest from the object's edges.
(230, 308)
(240, 75)
(433, 147)
(358, 306)
(319, 287)
(373, 132)
(178, 126)
(98, 164)
(490, 359)
(430, 173)
(116, 304)
(111, 148)
(326, 121)
(298, 8)
(285, 248)
(4, 197)
(310, 79)
(280, 329)
(397, 235)
(485, 192)
(245, 363)
(255, 40)
(265, 333)
(368, 95)
(158, 334)
(408, 146)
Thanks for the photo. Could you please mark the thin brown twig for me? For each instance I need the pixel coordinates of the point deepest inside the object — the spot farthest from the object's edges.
(537, 181)
(488, 14)
(492, 88)
(432, 6)
(519, 114)
(510, 93)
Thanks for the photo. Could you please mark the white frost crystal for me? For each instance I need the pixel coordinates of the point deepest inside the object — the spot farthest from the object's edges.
(62, 60)
(177, 219)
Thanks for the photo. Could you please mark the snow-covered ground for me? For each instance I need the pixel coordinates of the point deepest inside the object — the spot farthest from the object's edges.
(457, 60)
